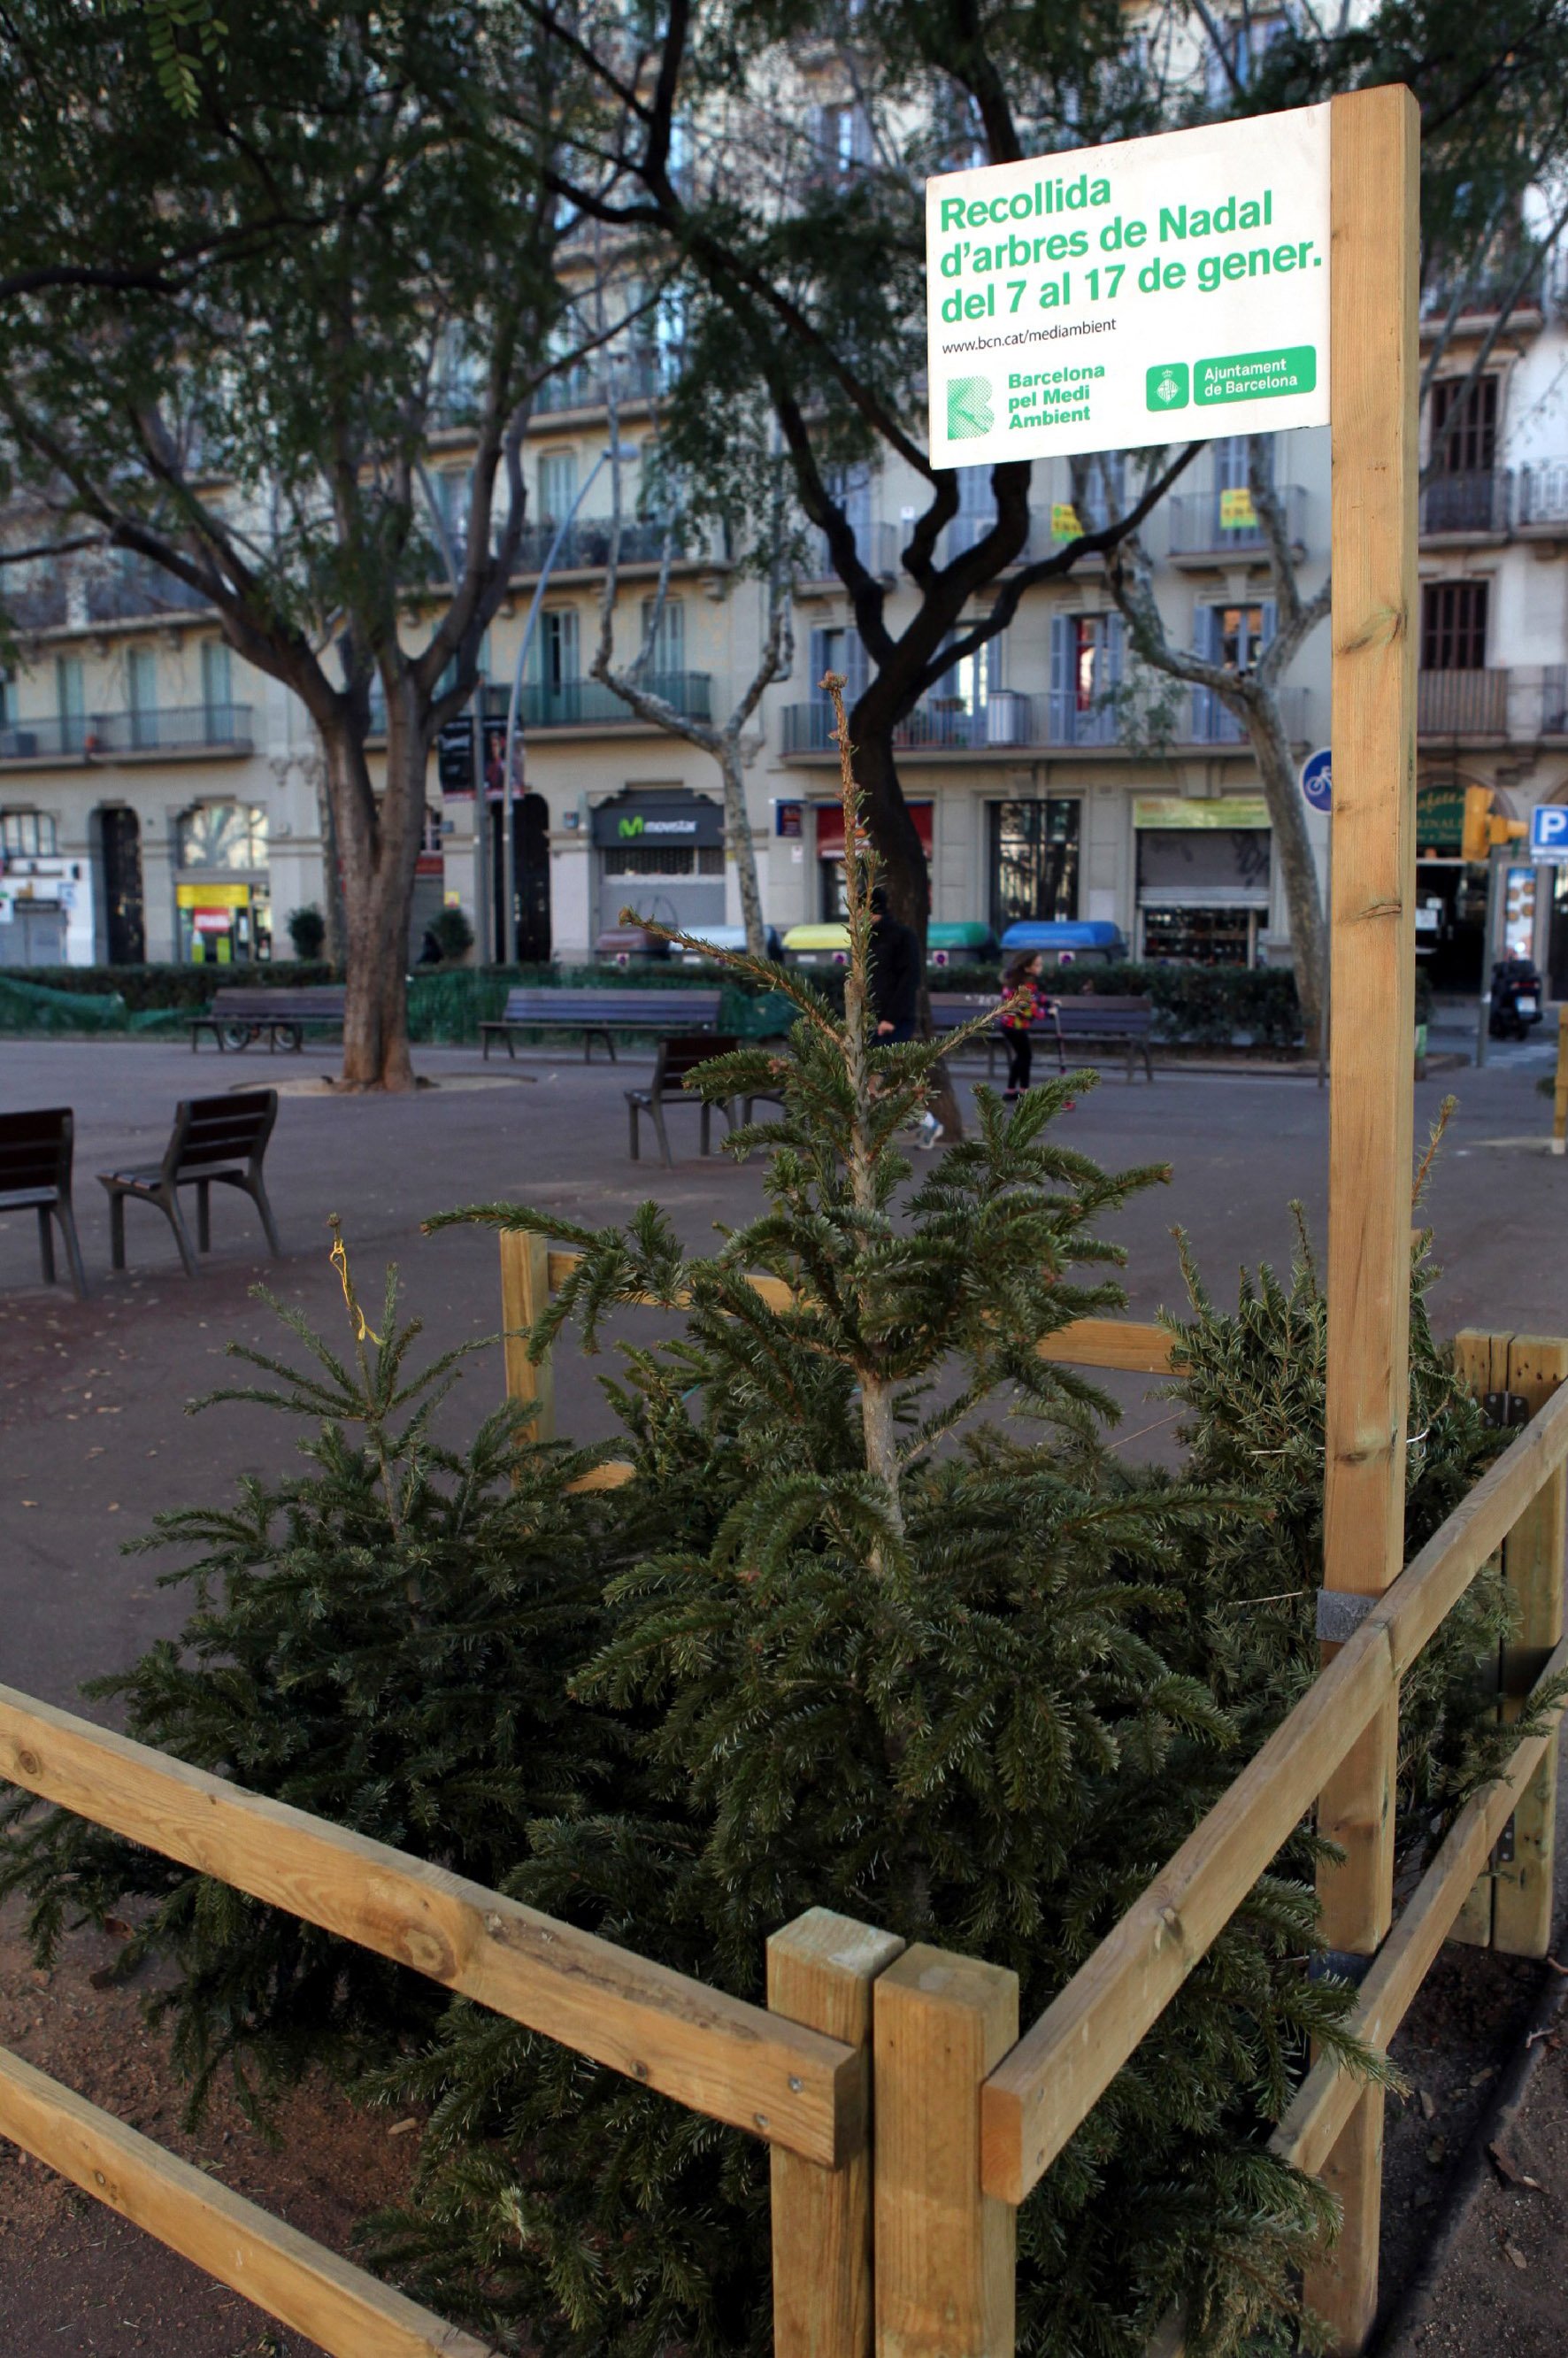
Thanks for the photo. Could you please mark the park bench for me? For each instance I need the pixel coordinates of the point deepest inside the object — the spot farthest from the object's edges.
(950, 1009)
(599, 1014)
(239, 1015)
(678, 1057)
(215, 1141)
(1123, 1022)
(34, 1173)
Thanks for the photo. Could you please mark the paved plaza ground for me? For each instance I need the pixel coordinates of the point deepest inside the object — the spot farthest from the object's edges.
(93, 1439)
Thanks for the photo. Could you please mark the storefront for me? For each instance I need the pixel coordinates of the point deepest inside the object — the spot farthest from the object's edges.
(1203, 877)
(222, 895)
(830, 829)
(45, 899)
(659, 850)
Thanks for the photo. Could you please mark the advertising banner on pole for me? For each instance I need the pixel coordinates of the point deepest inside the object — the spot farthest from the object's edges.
(1159, 290)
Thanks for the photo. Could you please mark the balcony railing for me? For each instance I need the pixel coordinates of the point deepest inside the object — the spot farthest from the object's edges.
(129, 597)
(941, 724)
(34, 605)
(878, 545)
(1462, 703)
(586, 544)
(966, 532)
(589, 704)
(1068, 722)
(1212, 722)
(1200, 524)
(587, 386)
(1554, 700)
(90, 735)
(1476, 500)
(1543, 493)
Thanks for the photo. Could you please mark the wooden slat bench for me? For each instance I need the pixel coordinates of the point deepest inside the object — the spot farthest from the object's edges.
(35, 1174)
(239, 1015)
(599, 1014)
(952, 1009)
(1121, 1021)
(215, 1141)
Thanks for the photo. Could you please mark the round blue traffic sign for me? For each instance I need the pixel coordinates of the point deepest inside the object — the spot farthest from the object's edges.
(1317, 780)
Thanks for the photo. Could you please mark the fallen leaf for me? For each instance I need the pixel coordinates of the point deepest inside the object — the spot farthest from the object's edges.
(1479, 2079)
(1510, 2170)
(401, 2128)
(1428, 2105)
(1511, 2252)
(1437, 2150)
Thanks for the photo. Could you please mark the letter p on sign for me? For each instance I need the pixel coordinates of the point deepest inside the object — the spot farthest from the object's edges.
(1549, 831)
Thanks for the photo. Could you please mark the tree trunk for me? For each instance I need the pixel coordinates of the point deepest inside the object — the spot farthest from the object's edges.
(901, 866)
(379, 843)
(738, 843)
(1277, 769)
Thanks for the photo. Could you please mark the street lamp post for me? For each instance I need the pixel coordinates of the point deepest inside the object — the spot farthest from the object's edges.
(509, 886)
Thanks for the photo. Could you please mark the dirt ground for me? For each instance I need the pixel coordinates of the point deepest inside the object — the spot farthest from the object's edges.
(76, 2278)
(94, 1440)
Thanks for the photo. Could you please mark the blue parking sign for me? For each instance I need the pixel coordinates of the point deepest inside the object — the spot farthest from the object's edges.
(1549, 831)
(1317, 781)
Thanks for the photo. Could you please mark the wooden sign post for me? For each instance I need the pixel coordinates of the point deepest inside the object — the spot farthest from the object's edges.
(1374, 379)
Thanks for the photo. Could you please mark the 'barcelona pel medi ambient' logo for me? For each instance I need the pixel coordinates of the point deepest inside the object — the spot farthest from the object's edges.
(969, 408)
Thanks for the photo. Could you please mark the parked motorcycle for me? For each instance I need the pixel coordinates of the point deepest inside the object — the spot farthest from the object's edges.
(1515, 999)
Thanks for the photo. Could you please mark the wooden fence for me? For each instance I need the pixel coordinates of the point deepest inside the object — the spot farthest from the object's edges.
(900, 2242)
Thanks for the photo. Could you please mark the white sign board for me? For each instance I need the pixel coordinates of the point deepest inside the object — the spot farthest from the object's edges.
(1549, 832)
(1159, 290)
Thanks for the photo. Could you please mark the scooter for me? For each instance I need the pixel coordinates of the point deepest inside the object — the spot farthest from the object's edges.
(1515, 999)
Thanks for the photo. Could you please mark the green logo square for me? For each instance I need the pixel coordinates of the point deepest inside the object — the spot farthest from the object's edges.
(1168, 386)
(969, 413)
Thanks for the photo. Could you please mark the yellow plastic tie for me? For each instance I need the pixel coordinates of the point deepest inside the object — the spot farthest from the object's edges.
(339, 1261)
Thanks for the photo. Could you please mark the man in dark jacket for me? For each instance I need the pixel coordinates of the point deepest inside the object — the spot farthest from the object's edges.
(896, 973)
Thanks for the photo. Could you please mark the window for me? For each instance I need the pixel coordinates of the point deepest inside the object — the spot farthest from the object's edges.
(451, 489)
(71, 702)
(843, 139)
(968, 683)
(223, 835)
(27, 835)
(1235, 635)
(556, 648)
(1237, 51)
(838, 648)
(667, 654)
(557, 485)
(1463, 424)
(1033, 861)
(1454, 625)
(216, 680)
(1086, 672)
(141, 692)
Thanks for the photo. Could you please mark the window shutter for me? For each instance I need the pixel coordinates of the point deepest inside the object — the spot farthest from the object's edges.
(1062, 702)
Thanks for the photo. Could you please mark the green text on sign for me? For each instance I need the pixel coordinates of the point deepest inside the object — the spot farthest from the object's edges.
(1253, 376)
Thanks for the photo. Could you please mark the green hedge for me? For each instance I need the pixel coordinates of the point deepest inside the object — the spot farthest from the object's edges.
(185, 988)
(1195, 1006)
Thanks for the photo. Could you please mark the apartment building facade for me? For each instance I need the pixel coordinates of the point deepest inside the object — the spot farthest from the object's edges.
(158, 799)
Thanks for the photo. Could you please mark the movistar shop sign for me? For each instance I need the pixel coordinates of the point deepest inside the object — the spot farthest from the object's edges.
(671, 818)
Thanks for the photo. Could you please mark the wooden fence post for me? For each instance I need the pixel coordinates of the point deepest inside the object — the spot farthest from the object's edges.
(525, 1291)
(946, 2251)
(821, 1972)
(1374, 381)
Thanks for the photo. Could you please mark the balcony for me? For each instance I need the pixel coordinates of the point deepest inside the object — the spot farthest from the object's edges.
(1210, 721)
(585, 547)
(1068, 722)
(587, 386)
(1474, 504)
(137, 593)
(36, 605)
(1200, 533)
(966, 532)
(879, 548)
(941, 725)
(1462, 704)
(1542, 502)
(113, 736)
(589, 704)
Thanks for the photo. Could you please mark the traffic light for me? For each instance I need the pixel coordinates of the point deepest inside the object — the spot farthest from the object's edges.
(1483, 831)
(1476, 841)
